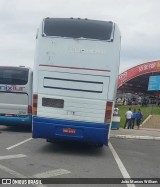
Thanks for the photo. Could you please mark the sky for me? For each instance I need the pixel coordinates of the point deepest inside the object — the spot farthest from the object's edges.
(138, 21)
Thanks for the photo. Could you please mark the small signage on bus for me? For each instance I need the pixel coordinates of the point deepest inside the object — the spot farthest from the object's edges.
(11, 88)
(69, 130)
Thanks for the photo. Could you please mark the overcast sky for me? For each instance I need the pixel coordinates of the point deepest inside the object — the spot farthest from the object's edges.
(138, 20)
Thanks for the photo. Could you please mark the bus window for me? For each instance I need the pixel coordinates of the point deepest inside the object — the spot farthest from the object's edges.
(13, 76)
(79, 28)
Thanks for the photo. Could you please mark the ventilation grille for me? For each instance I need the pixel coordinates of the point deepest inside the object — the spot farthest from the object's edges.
(55, 103)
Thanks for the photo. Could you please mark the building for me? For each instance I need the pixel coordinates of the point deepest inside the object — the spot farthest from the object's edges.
(135, 80)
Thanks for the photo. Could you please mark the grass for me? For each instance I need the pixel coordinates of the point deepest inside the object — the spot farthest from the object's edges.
(146, 111)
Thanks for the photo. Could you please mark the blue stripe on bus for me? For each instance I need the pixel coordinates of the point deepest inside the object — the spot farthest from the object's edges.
(13, 121)
(96, 133)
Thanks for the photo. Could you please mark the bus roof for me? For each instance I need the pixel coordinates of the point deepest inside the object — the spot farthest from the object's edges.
(78, 28)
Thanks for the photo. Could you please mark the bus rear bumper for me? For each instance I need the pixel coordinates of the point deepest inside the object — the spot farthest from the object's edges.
(13, 121)
(67, 130)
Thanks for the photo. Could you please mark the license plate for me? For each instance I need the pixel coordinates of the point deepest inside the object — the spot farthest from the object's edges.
(69, 130)
(9, 115)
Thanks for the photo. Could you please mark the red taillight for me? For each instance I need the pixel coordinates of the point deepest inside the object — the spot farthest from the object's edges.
(108, 114)
(30, 109)
(35, 100)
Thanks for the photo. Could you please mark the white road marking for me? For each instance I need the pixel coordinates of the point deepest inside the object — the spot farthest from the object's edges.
(12, 156)
(120, 164)
(136, 137)
(20, 143)
(52, 173)
(12, 172)
(17, 175)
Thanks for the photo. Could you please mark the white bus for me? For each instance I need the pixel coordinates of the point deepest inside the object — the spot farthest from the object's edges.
(75, 79)
(15, 96)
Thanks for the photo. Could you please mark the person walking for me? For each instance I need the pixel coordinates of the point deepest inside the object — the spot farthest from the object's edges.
(133, 117)
(139, 117)
(128, 121)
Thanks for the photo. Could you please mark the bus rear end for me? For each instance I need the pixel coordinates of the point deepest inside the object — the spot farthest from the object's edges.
(15, 96)
(74, 88)
(70, 106)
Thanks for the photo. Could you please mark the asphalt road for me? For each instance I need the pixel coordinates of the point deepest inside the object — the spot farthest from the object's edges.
(21, 156)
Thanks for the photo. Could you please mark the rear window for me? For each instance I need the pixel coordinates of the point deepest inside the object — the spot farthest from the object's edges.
(13, 76)
(78, 28)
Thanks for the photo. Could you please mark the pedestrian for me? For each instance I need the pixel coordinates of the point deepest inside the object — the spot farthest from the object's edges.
(133, 117)
(116, 110)
(128, 121)
(139, 117)
(139, 100)
(124, 101)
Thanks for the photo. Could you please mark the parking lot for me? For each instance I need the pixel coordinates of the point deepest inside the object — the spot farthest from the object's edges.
(24, 157)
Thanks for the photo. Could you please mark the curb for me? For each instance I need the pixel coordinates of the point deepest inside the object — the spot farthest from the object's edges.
(135, 137)
(147, 119)
(149, 129)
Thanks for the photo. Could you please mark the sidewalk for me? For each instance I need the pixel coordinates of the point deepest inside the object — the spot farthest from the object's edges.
(142, 133)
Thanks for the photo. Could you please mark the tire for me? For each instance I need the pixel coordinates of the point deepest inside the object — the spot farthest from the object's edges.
(99, 145)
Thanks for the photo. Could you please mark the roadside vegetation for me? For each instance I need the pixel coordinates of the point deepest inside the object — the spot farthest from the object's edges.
(146, 111)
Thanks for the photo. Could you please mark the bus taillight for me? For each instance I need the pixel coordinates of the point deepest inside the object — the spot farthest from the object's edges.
(35, 100)
(29, 109)
(108, 114)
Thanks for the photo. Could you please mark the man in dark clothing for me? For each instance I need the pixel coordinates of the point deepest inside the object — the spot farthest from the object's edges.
(139, 117)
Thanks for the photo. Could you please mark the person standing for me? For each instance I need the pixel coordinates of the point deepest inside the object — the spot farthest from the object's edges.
(116, 110)
(128, 121)
(139, 100)
(139, 117)
(133, 117)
